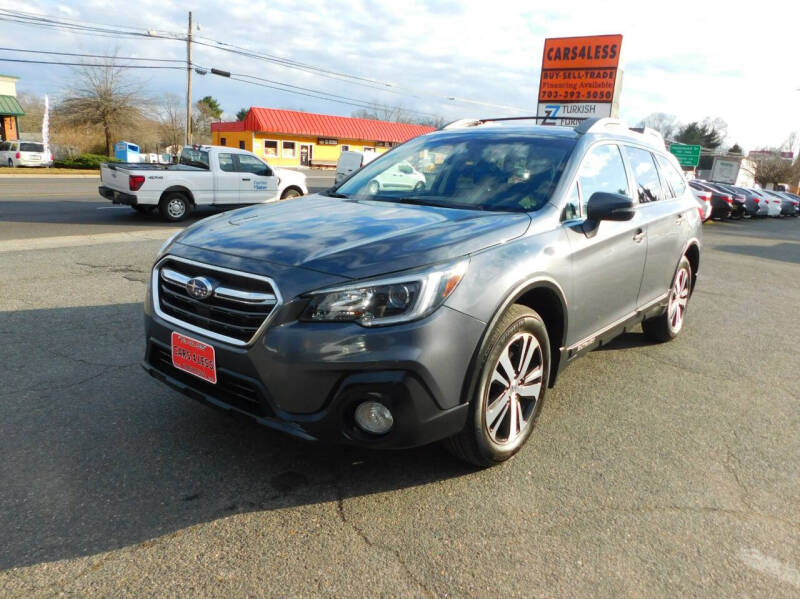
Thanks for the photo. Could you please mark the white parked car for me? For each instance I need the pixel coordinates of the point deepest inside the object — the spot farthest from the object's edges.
(24, 153)
(703, 203)
(398, 177)
(204, 176)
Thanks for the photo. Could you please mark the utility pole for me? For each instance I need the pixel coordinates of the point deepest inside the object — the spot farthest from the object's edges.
(189, 83)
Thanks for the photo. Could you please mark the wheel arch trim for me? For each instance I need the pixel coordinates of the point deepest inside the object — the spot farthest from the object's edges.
(535, 282)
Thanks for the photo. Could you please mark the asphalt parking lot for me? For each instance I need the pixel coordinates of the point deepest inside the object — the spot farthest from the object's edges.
(654, 470)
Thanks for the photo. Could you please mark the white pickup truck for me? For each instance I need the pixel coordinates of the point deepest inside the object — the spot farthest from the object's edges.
(204, 176)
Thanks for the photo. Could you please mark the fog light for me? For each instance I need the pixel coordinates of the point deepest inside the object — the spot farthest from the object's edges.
(374, 417)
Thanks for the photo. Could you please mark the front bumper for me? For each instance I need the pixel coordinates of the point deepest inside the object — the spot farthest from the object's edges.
(306, 379)
(117, 197)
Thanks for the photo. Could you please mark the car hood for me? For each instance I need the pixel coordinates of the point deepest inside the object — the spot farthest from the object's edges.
(353, 238)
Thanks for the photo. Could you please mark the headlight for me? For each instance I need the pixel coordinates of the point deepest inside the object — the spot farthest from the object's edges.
(389, 300)
(162, 250)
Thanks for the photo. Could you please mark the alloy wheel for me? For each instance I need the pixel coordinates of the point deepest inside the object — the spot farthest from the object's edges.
(678, 299)
(514, 388)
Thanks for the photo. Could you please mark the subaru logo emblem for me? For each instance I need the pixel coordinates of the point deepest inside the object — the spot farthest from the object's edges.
(199, 288)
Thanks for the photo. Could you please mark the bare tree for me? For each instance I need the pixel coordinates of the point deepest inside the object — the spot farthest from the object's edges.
(666, 124)
(33, 105)
(773, 170)
(105, 97)
(172, 121)
(397, 114)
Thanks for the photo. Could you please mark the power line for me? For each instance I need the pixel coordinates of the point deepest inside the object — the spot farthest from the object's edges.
(91, 64)
(32, 19)
(93, 55)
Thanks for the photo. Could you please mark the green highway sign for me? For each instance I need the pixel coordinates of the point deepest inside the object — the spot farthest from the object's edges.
(686, 155)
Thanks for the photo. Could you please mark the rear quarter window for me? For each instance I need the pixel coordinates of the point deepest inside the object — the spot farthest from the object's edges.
(648, 184)
(674, 179)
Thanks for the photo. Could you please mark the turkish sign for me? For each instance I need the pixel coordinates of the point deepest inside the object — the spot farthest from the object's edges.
(687, 155)
(571, 114)
(580, 69)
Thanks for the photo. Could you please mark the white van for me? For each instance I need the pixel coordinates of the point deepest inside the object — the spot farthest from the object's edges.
(24, 153)
(351, 161)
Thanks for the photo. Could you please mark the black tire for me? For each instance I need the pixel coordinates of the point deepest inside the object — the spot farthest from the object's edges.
(290, 193)
(662, 328)
(474, 444)
(419, 186)
(168, 207)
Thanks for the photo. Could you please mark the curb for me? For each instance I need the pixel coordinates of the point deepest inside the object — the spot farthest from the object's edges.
(4, 176)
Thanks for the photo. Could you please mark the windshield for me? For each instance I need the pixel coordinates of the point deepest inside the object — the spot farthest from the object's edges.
(194, 157)
(477, 170)
(31, 147)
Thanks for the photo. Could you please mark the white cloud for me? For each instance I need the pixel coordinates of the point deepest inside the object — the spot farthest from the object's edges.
(690, 59)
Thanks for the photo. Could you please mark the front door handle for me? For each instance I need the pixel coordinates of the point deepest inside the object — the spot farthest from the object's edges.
(639, 236)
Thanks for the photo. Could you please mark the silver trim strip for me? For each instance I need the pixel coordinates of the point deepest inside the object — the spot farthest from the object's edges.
(591, 338)
(234, 295)
(245, 297)
(199, 330)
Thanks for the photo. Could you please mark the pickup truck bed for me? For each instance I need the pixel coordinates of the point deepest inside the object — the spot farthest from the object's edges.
(205, 176)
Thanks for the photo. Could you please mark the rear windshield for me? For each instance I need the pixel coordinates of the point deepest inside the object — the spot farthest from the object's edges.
(193, 157)
(31, 147)
(497, 171)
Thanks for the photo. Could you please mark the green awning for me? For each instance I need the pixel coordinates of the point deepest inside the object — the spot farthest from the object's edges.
(10, 107)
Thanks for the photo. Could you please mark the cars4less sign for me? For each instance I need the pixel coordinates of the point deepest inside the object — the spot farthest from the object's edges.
(579, 76)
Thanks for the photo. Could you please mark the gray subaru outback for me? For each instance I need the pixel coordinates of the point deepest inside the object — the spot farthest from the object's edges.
(437, 293)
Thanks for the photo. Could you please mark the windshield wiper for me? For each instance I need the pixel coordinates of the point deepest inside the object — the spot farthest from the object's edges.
(333, 194)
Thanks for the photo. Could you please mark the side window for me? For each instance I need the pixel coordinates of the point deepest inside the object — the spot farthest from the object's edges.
(602, 170)
(673, 177)
(226, 163)
(4, 146)
(573, 208)
(648, 185)
(251, 164)
(270, 148)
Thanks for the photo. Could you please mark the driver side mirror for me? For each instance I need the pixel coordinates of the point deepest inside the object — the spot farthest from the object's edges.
(609, 206)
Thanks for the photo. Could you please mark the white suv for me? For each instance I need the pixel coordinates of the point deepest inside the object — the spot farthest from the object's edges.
(24, 153)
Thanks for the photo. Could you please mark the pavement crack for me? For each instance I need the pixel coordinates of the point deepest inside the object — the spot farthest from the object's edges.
(372, 545)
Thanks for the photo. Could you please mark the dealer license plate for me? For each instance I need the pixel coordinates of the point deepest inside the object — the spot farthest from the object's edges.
(194, 357)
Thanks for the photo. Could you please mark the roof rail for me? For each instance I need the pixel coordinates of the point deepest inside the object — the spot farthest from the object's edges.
(460, 123)
(598, 123)
(651, 133)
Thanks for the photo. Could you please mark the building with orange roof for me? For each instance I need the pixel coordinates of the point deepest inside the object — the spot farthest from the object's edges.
(292, 138)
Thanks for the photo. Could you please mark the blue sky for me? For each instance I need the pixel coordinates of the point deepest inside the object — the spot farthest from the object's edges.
(690, 59)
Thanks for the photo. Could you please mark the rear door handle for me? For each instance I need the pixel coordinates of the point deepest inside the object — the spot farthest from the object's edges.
(639, 236)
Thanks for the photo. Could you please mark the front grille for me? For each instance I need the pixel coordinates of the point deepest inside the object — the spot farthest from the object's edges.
(238, 306)
(233, 390)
